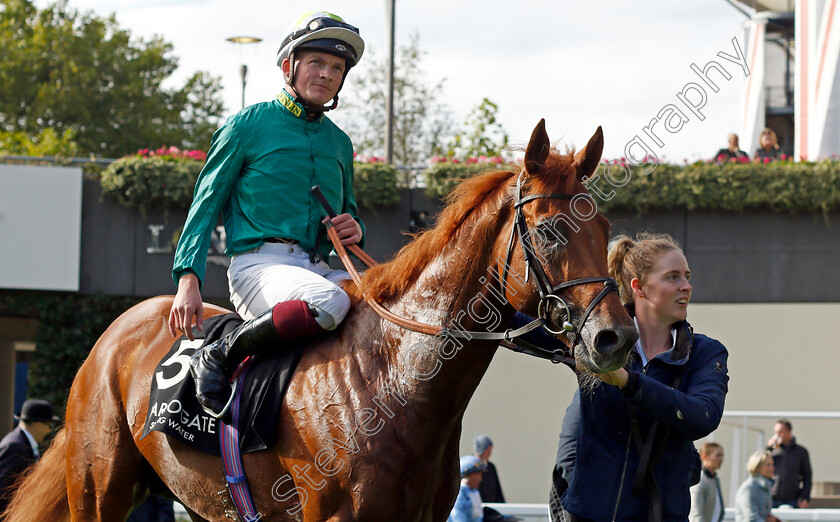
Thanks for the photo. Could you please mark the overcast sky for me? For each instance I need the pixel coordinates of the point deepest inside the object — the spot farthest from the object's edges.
(580, 64)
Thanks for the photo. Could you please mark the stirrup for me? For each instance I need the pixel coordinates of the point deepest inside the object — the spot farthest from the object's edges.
(233, 388)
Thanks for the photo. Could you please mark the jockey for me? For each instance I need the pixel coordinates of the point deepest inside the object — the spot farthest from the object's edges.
(260, 167)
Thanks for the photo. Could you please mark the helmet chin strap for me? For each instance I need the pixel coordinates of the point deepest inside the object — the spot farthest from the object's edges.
(314, 108)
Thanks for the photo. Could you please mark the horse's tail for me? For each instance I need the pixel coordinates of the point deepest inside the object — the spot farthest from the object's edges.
(42, 492)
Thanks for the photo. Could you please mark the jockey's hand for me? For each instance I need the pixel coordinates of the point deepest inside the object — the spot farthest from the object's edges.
(616, 378)
(187, 305)
(347, 228)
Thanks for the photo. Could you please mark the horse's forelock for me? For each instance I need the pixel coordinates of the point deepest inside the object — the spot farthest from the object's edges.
(557, 175)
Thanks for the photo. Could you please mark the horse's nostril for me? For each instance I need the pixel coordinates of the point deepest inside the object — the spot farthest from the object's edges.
(607, 341)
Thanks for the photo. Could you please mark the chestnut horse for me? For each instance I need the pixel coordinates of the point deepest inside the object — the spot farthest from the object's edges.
(371, 422)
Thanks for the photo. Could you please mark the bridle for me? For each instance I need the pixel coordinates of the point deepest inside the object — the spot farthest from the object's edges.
(548, 293)
(510, 338)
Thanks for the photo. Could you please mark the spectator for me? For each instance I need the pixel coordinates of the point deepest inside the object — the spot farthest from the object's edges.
(752, 501)
(731, 152)
(768, 147)
(490, 488)
(706, 497)
(792, 484)
(467, 506)
(635, 456)
(19, 449)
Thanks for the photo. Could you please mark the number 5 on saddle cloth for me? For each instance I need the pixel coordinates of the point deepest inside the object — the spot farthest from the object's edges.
(175, 411)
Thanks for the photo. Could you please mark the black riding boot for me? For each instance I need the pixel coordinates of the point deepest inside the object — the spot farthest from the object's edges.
(213, 365)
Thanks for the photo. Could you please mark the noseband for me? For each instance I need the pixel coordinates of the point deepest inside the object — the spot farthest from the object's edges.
(548, 293)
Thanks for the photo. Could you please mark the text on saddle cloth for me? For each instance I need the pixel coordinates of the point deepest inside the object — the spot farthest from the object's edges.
(175, 411)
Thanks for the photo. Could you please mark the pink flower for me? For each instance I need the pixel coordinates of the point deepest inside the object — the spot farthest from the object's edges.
(766, 160)
(456, 160)
(173, 153)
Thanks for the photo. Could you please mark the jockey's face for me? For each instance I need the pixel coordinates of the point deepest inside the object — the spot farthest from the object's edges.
(317, 75)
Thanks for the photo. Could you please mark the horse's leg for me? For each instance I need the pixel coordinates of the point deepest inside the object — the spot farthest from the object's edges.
(103, 472)
(103, 464)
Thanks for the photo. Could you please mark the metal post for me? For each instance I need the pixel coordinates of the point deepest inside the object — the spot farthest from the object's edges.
(244, 73)
(238, 41)
(390, 9)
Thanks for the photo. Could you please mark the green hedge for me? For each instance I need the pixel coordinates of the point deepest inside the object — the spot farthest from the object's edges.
(158, 183)
(442, 176)
(69, 325)
(375, 185)
(151, 182)
(788, 187)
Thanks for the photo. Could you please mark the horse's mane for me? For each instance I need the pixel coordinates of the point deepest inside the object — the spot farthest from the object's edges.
(394, 277)
(390, 279)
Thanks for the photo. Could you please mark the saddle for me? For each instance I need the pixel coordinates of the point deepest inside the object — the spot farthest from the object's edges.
(175, 411)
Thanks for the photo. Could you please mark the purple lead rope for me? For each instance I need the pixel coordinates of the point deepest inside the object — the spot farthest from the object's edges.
(232, 457)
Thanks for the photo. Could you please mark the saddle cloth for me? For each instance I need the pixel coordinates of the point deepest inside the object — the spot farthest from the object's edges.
(175, 411)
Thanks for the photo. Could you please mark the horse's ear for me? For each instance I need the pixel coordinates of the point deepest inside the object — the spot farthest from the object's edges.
(587, 160)
(538, 149)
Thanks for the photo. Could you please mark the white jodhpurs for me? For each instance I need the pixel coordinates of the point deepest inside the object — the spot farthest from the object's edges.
(276, 272)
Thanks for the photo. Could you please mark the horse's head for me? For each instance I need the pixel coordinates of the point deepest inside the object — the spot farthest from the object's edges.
(560, 240)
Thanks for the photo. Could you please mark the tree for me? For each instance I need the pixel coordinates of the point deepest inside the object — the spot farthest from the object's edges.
(46, 143)
(484, 135)
(67, 70)
(421, 122)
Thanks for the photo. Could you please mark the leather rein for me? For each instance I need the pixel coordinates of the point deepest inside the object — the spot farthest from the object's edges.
(510, 338)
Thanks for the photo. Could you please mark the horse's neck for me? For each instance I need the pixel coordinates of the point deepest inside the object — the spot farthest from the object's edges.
(439, 370)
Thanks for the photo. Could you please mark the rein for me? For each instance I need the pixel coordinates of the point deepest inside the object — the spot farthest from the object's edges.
(510, 339)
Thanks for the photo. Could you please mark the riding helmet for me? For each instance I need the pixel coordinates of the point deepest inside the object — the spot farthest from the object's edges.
(325, 32)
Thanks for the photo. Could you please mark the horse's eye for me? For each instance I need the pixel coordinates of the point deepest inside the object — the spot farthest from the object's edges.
(545, 240)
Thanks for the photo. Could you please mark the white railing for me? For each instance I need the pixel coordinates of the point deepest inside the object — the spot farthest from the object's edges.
(791, 515)
(539, 513)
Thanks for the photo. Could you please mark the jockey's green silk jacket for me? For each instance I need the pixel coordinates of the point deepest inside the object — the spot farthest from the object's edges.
(259, 171)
